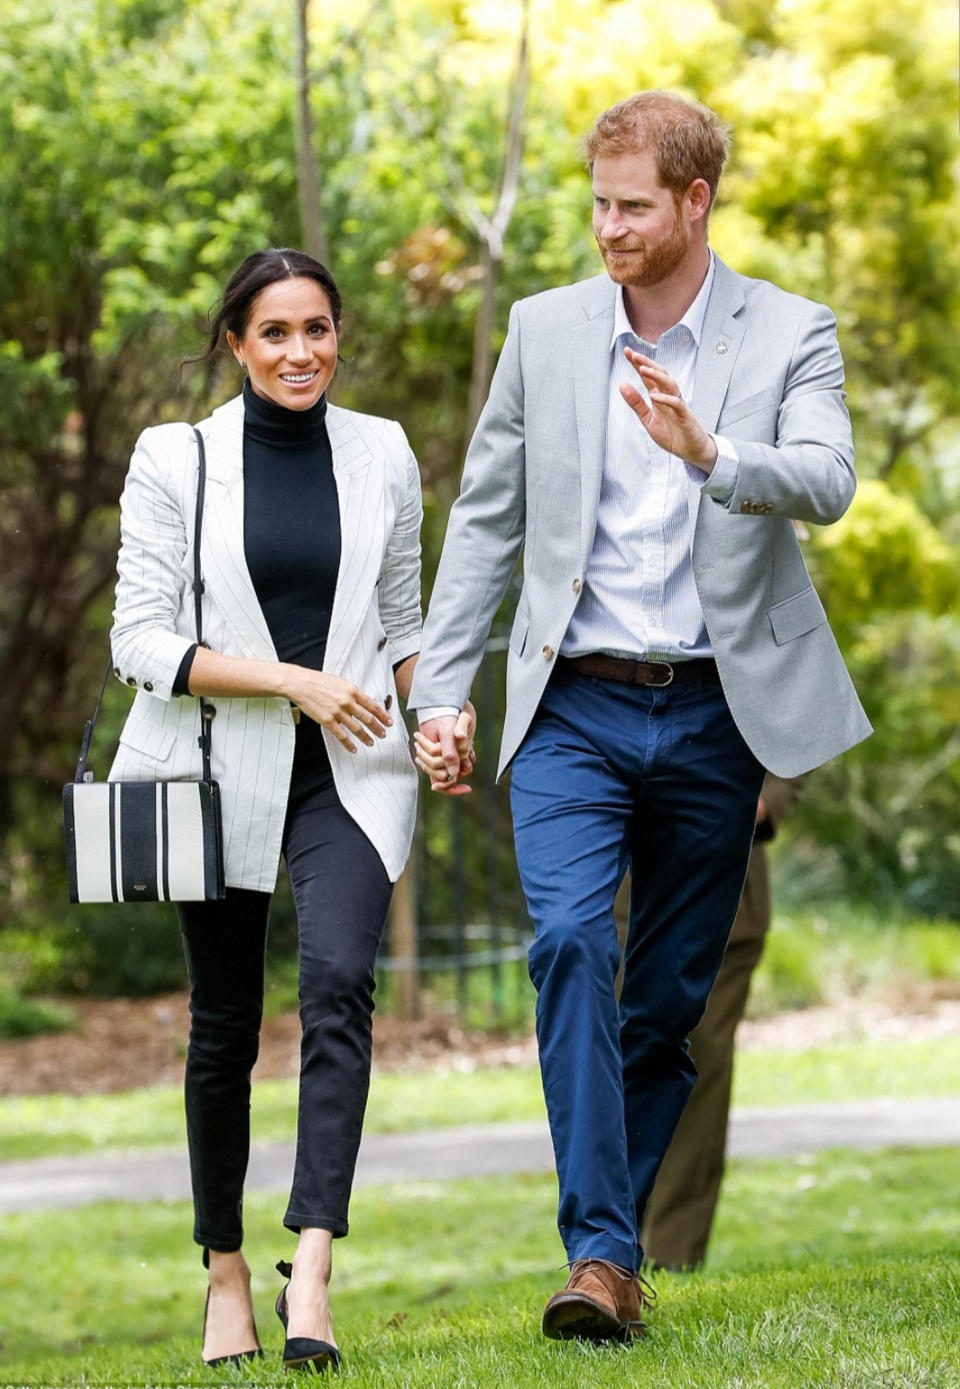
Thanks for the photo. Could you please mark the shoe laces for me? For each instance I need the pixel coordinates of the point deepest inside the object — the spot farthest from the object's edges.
(648, 1294)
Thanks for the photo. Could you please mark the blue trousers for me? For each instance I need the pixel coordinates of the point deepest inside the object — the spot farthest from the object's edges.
(661, 779)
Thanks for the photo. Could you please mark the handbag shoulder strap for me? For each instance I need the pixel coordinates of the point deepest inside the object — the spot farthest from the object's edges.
(207, 711)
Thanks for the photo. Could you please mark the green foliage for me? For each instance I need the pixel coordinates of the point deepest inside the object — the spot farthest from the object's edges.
(28, 1017)
(884, 556)
(836, 952)
(148, 147)
(790, 977)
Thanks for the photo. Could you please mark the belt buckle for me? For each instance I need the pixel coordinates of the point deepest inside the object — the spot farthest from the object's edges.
(661, 684)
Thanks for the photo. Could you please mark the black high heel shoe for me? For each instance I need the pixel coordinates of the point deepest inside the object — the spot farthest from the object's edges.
(303, 1352)
(238, 1358)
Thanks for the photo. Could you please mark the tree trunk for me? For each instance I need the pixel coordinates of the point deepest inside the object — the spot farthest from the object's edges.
(482, 369)
(493, 232)
(404, 944)
(308, 180)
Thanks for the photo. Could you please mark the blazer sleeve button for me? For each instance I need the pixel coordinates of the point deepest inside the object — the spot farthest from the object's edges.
(116, 671)
(148, 686)
(388, 702)
(131, 680)
(381, 643)
(548, 653)
(576, 585)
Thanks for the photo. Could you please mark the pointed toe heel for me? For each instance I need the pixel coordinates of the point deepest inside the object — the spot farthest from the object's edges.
(302, 1352)
(240, 1357)
(315, 1357)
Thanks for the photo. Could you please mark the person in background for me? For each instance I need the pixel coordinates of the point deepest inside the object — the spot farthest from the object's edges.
(311, 615)
(679, 1214)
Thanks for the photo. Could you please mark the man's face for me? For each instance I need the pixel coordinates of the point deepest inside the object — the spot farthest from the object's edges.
(641, 227)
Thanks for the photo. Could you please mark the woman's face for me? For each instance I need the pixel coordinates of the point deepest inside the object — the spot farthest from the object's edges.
(289, 346)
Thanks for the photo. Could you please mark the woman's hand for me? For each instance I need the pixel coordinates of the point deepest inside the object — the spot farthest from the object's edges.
(340, 707)
(430, 757)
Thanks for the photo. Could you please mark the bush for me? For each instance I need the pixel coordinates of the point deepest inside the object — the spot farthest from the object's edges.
(791, 973)
(28, 1017)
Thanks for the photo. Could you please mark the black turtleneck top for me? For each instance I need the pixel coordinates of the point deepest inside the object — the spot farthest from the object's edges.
(291, 542)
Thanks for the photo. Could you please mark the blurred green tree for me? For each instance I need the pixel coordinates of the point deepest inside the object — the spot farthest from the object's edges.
(150, 144)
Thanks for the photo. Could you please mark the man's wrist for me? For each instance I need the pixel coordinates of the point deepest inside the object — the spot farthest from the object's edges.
(711, 454)
(440, 711)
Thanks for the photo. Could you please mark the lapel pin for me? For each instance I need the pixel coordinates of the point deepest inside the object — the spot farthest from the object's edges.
(721, 347)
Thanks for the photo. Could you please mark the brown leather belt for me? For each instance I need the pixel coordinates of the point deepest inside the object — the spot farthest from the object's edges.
(654, 673)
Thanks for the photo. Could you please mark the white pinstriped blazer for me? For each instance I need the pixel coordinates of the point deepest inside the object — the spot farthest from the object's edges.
(374, 624)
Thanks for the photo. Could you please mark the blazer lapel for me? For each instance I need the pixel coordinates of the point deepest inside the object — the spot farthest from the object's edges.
(360, 496)
(719, 346)
(223, 562)
(720, 341)
(592, 376)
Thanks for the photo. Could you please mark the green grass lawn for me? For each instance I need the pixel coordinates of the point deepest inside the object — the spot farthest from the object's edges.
(838, 1271)
(44, 1125)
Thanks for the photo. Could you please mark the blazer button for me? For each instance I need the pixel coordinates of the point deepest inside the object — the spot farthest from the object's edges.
(147, 686)
(576, 585)
(381, 643)
(388, 702)
(131, 680)
(548, 653)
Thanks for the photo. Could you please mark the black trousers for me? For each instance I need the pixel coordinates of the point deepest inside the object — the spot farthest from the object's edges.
(342, 892)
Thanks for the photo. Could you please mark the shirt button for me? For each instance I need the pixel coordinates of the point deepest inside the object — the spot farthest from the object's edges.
(388, 702)
(576, 585)
(147, 686)
(548, 653)
(381, 643)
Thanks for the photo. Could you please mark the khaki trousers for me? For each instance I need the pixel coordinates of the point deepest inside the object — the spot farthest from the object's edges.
(680, 1212)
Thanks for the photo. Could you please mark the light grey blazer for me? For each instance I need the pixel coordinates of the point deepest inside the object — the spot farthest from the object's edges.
(770, 377)
(375, 623)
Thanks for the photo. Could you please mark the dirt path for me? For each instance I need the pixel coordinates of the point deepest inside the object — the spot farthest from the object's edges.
(123, 1044)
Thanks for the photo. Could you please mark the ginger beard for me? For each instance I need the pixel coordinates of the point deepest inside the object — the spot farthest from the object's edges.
(647, 264)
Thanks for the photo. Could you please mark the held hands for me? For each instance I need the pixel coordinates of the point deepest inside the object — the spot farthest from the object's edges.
(667, 418)
(344, 710)
(444, 750)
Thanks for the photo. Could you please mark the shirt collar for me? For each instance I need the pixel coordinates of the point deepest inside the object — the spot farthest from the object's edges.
(692, 319)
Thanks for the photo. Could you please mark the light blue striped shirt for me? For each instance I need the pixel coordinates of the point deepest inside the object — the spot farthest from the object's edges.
(639, 597)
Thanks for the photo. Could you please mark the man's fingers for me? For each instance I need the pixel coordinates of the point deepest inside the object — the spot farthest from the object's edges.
(635, 399)
(450, 752)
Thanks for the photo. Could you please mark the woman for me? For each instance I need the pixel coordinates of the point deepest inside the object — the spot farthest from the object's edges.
(311, 610)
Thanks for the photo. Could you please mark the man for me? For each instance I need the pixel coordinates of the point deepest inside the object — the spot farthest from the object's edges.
(667, 646)
(679, 1214)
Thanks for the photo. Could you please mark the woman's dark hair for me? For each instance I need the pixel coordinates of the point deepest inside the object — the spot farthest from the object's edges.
(257, 271)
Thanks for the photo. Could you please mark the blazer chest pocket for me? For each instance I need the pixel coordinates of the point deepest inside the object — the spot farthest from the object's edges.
(795, 616)
(147, 739)
(749, 405)
(518, 633)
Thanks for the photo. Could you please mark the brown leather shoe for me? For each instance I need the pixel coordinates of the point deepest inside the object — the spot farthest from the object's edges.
(601, 1302)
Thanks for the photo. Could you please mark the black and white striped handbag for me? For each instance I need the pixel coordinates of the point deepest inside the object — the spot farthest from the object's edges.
(147, 841)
